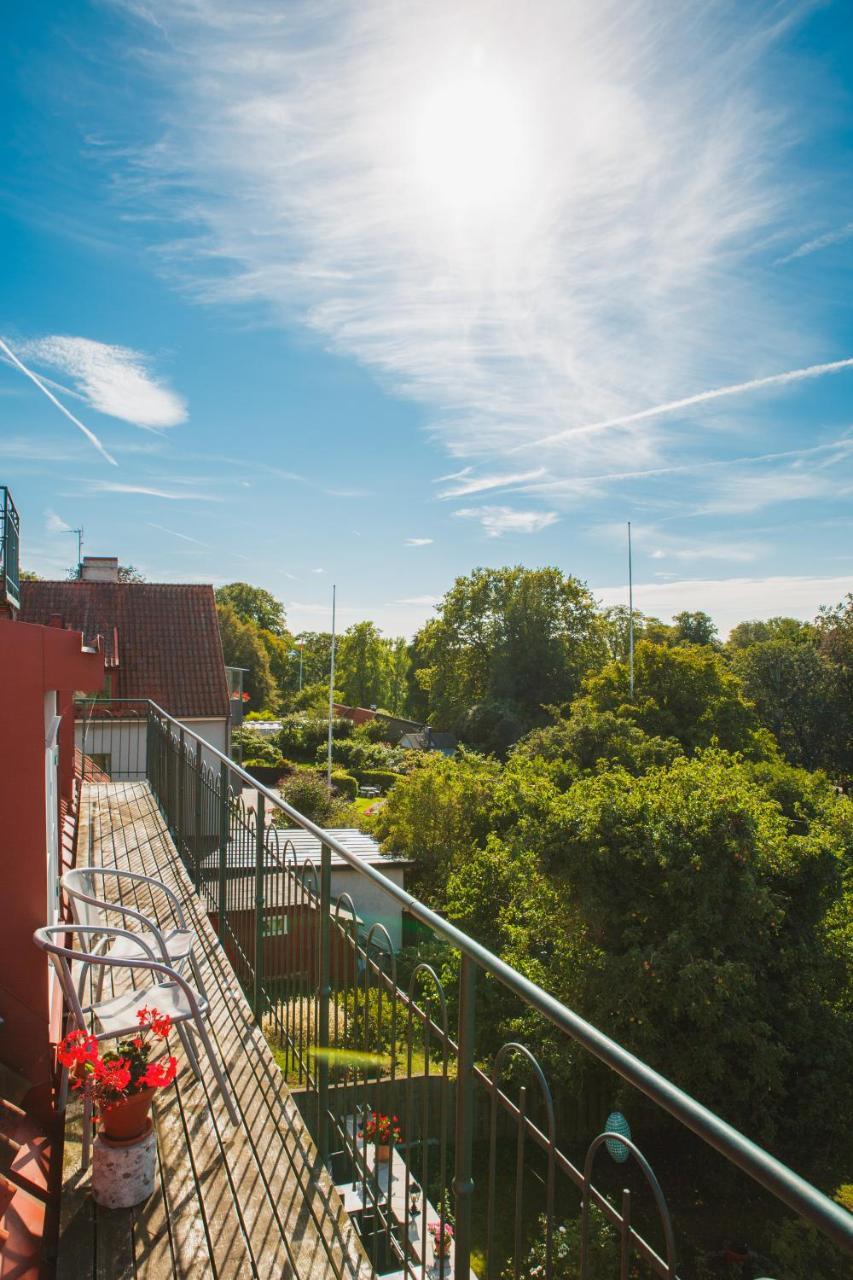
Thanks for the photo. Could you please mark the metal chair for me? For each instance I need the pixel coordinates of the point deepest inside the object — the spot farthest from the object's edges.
(114, 1018)
(174, 941)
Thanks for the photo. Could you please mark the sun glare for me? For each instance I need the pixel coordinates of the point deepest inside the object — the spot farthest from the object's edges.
(470, 144)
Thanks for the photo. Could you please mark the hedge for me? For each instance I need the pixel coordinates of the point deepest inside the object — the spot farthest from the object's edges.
(383, 778)
(345, 783)
(268, 774)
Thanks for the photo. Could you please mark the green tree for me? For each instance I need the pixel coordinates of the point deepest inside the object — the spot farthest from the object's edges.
(437, 814)
(243, 647)
(686, 692)
(588, 740)
(713, 925)
(363, 667)
(515, 638)
(254, 604)
(694, 628)
(756, 632)
(399, 664)
(798, 697)
(316, 657)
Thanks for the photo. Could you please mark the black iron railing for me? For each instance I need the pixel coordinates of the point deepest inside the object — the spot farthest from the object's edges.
(483, 1142)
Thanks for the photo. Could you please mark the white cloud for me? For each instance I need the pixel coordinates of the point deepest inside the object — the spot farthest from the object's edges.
(106, 486)
(418, 542)
(54, 523)
(419, 600)
(111, 379)
(481, 484)
(731, 600)
(500, 520)
(819, 242)
(185, 537)
(528, 226)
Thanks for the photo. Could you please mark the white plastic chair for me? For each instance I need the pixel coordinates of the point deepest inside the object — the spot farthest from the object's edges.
(172, 942)
(113, 1019)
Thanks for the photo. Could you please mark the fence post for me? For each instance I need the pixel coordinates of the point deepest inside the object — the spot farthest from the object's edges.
(260, 848)
(324, 992)
(463, 1181)
(224, 822)
(197, 817)
(179, 824)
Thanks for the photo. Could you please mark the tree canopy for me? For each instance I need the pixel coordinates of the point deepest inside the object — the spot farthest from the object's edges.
(510, 640)
(254, 604)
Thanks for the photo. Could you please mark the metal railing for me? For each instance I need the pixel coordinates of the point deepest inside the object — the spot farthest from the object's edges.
(359, 1028)
(10, 533)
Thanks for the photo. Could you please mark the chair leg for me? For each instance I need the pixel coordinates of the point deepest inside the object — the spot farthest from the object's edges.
(189, 1048)
(217, 1071)
(62, 1092)
(87, 1126)
(196, 968)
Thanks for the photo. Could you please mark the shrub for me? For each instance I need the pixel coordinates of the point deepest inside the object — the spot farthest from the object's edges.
(307, 792)
(382, 778)
(256, 746)
(300, 737)
(345, 784)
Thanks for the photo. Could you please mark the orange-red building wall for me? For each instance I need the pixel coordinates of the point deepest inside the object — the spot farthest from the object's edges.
(34, 660)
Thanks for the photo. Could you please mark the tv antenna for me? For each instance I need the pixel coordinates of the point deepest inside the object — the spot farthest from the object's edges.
(79, 534)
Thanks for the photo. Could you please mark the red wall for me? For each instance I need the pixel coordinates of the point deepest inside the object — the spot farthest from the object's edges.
(33, 660)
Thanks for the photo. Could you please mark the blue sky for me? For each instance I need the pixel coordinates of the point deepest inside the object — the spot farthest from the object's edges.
(376, 293)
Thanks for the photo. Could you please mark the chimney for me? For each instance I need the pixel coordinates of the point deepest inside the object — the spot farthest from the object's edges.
(99, 569)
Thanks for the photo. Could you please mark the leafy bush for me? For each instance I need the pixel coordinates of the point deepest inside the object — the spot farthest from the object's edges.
(372, 731)
(382, 778)
(307, 792)
(301, 736)
(258, 747)
(357, 753)
(345, 784)
(566, 1251)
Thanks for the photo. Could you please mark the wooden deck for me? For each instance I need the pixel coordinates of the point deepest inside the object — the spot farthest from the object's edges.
(232, 1202)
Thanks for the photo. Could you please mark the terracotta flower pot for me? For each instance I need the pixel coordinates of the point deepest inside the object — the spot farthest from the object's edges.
(383, 1152)
(127, 1119)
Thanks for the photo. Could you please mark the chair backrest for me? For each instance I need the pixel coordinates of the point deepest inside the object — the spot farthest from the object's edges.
(81, 887)
(62, 957)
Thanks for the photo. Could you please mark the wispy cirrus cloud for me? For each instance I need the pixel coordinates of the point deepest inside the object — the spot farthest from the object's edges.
(497, 520)
(419, 600)
(469, 484)
(54, 523)
(537, 229)
(37, 381)
(171, 495)
(184, 537)
(112, 379)
(825, 241)
(418, 542)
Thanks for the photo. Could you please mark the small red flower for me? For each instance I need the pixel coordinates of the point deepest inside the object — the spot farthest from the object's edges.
(160, 1074)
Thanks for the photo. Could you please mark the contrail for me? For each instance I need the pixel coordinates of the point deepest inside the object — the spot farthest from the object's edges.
(775, 379)
(90, 435)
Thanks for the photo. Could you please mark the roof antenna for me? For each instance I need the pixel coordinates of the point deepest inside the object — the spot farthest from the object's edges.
(79, 533)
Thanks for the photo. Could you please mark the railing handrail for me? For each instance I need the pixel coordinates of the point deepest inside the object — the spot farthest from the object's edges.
(805, 1199)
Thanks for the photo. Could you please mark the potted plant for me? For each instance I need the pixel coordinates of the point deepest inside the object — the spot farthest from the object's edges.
(123, 1080)
(442, 1238)
(383, 1132)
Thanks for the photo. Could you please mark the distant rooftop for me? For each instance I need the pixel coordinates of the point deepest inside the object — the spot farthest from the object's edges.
(161, 640)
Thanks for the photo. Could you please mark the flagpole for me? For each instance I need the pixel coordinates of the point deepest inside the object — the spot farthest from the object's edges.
(331, 696)
(630, 618)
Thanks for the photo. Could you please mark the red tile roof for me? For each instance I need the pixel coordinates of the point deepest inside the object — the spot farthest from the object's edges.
(164, 636)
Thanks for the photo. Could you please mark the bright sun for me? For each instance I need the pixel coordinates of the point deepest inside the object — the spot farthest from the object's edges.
(470, 141)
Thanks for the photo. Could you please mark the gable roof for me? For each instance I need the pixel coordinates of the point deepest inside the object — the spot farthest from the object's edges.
(161, 640)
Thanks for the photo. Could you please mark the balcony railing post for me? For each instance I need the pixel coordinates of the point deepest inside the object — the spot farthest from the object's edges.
(260, 845)
(463, 1180)
(324, 993)
(224, 821)
(197, 846)
(179, 818)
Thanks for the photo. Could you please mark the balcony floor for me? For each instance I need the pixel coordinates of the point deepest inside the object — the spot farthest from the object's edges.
(250, 1201)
